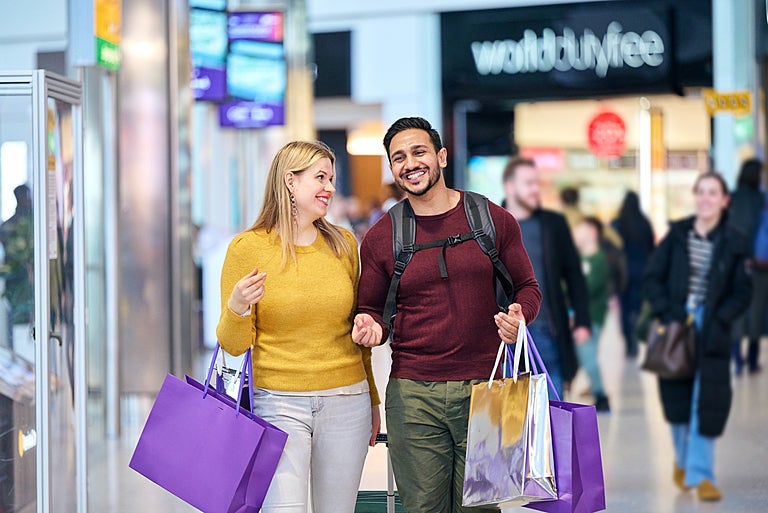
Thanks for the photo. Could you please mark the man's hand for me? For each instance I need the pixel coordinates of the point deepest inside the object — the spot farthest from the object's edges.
(581, 334)
(365, 331)
(508, 323)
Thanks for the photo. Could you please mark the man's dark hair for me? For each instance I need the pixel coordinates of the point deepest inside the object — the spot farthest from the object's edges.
(410, 123)
(513, 164)
(570, 196)
(749, 176)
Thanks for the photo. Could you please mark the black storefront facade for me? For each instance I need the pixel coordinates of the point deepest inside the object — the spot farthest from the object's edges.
(494, 59)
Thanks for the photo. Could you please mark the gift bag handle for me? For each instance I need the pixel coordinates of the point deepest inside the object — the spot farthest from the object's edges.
(531, 346)
(521, 349)
(246, 370)
(505, 350)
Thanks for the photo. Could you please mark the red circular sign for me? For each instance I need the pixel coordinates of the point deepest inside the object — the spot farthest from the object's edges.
(607, 135)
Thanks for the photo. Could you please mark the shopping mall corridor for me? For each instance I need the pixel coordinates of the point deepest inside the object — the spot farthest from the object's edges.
(636, 449)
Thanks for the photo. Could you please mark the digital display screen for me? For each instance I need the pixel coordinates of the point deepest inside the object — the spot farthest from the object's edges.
(208, 45)
(256, 78)
(256, 26)
(207, 37)
(218, 5)
(256, 71)
(238, 60)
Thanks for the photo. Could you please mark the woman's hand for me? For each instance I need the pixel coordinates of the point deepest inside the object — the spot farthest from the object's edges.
(375, 424)
(365, 331)
(248, 291)
(508, 323)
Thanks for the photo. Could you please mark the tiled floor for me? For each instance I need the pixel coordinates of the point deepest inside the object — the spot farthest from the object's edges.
(636, 449)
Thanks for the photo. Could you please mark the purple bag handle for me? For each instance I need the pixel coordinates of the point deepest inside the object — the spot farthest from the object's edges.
(536, 358)
(246, 370)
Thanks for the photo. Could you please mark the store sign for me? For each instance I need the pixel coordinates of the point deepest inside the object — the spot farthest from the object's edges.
(249, 114)
(107, 20)
(256, 26)
(733, 102)
(567, 52)
(606, 135)
(577, 50)
(209, 83)
(95, 33)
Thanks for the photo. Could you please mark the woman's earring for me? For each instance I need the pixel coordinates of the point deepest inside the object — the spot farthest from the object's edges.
(294, 209)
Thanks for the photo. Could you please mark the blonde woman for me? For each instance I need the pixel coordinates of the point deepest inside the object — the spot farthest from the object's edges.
(289, 289)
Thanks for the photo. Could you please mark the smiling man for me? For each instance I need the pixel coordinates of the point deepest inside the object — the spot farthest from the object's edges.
(448, 324)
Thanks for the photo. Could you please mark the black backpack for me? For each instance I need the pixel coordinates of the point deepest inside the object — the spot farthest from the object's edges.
(404, 246)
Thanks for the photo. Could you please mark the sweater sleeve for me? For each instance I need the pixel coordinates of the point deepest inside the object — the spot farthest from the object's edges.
(235, 332)
(512, 253)
(365, 351)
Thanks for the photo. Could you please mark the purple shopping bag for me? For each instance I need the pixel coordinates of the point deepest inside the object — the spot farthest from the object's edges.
(576, 447)
(198, 446)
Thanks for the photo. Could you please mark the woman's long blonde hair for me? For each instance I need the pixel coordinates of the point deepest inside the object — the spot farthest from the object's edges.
(276, 215)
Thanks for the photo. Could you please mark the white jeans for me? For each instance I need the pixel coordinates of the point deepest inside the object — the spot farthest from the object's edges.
(327, 442)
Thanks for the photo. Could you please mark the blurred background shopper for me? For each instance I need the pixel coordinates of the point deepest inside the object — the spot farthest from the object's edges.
(744, 214)
(699, 270)
(637, 238)
(555, 261)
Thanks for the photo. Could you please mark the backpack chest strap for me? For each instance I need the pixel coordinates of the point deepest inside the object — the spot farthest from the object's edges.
(443, 244)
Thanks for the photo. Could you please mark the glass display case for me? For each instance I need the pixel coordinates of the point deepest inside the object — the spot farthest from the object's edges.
(42, 344)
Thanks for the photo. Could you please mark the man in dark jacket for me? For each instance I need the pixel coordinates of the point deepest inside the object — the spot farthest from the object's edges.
(547, 239)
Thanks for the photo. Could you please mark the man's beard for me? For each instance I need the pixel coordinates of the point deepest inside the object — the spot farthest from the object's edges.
(432, 179)
(531, 207)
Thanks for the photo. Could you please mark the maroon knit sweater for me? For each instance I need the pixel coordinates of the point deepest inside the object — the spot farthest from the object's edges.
(444, 328)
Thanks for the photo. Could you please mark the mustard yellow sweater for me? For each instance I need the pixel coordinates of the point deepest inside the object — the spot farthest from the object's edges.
(301, 330)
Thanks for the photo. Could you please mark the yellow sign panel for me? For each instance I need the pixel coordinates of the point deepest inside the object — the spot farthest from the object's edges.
(107, 18)
(735, 102)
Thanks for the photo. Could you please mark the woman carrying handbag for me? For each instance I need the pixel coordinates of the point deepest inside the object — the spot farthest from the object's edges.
(698, 275)
(289, 289)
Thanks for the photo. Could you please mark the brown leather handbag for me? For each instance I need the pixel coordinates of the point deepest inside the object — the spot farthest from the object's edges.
(671, 351)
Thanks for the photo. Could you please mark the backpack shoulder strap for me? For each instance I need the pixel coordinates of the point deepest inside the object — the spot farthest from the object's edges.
(483, 230)
(403, 241)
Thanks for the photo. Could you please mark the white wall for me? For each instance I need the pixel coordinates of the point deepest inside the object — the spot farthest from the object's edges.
(29, 27)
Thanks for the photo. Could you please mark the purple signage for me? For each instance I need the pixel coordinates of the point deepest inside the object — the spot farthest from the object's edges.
(255, 26)
(246, 114)
(209, 84)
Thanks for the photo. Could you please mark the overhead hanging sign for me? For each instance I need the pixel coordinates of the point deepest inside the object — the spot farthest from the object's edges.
(107, 21)
(94, 33)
